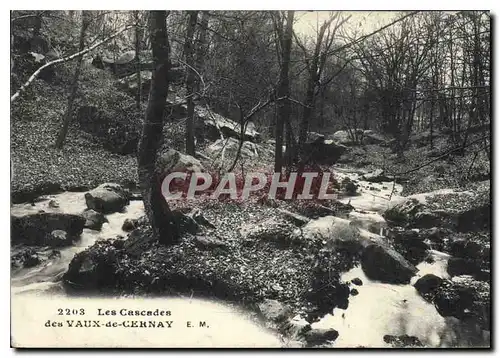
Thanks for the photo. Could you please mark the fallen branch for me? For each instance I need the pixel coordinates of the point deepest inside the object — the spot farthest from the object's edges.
(64, 59)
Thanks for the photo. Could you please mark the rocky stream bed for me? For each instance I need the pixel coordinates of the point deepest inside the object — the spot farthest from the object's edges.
(374, 269)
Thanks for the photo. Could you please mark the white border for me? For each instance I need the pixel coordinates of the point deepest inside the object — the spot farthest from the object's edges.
(187, 5)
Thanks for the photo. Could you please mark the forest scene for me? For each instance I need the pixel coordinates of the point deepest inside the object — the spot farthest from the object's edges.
(388, 112)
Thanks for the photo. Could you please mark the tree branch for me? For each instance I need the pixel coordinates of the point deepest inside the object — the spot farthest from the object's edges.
(61, 60)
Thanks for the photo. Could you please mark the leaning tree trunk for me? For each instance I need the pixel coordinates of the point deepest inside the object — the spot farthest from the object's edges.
(157, 209)
(190, 81)
(61, 137)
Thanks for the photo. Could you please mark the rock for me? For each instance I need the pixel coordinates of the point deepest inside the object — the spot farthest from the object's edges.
(345, 137)
(53, 204)
(357, 281)
(93, 219)
(313, 210)
(129, 83)
(349, 186)
(354, 292)
(30, 194)
(295, 327)
(464, 298)
(323, 151)
(461, 211)
(377, 176)
(411, 245)
(334, 232)
(107, 198)
(273, 310)
(31, 260)
(318, 336)
(36, 229)
(58, 238)
(435, 235)
(129, 225)
(384, 264)
(372, 222)
(272, 229)
(32, 256)
(427, 283)
(466, 249)
(459, 266)
(172, 161)
(123, 64)
(403, 341)
(208, 243)
(230, 147)
(93, 268)
(313, 137)
(211, 125)
(296, 219)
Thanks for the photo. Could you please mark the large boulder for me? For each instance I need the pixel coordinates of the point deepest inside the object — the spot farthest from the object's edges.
(333, 232)
(382, 263)
(457, 210)
(318, 336)
(117, 134)
(464, 298)
(211, 125)
(410, 244)
(345, 137)
(458, 266)
(130, 83)
(230, 147)
(358, 136)
(427, 284)
(466, 249)
(377, 176)
(121, 65)
(45, 229)
(107, 198)
(323, 151)
(172, 160)
(274, 311)
(125, 65)
(271, 229)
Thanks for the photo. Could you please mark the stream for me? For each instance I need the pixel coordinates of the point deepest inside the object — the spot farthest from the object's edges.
(379, 309)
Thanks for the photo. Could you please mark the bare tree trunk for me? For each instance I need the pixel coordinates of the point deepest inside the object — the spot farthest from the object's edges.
(190, 81)
(201, 42)
(138, 59)
(157, 209)
(283, 92)
(61, 137)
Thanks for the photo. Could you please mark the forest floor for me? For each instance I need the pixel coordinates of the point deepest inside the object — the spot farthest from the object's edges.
(39, 168)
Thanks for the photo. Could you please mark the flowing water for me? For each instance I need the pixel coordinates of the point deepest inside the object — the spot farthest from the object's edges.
(379, 309)
(40, 287)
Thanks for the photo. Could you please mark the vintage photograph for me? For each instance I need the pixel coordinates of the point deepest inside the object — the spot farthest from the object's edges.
(250, 179)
